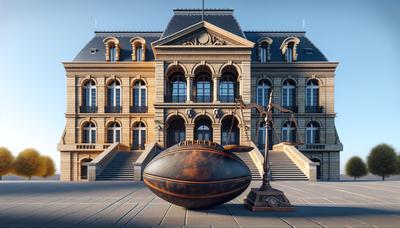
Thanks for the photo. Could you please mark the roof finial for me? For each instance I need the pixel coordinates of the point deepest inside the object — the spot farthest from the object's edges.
(202, 12)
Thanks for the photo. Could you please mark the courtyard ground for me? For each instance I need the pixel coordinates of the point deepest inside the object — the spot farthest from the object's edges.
(105, 204)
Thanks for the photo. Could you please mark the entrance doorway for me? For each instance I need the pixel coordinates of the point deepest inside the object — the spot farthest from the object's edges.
(319, 174)
(84, 168)
(203, 129)
(176, 131)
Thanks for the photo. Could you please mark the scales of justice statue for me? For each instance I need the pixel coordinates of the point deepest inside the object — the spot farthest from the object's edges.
(267, 198)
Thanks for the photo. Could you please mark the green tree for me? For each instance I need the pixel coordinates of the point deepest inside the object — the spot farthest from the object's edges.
(382, 161)
(6, 161)
(356, 168)
(27, 163)
(398, 164)
(47, 167)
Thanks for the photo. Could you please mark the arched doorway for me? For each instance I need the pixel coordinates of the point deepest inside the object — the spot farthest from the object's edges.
(261, 136)
(176, 131)
(319, 173)
(225, 128)
(84, 168)
(203, 129)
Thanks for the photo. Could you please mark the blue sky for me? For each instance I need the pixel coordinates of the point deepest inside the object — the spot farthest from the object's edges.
(36, 36)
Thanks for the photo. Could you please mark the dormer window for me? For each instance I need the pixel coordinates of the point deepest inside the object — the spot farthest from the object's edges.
(264, 46)
(112, 49)
(138, 49)
(289, 49)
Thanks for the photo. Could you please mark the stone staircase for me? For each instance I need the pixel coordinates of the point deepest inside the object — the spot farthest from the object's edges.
(283, 168)
(249, 162)
(120, 168)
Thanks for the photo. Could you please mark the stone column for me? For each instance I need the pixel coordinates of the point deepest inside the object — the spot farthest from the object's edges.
(125, 95)
(189, 131)
(216, 132)
(189, 86)
(216, 78)
(301, 95)
(101, 95)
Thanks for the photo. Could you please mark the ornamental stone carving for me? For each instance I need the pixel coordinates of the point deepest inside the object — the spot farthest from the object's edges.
(205, 39)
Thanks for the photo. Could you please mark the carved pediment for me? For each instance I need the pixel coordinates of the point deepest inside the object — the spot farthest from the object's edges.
(201, 35)
(204, 38)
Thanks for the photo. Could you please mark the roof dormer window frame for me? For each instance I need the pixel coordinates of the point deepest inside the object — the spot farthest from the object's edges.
(289, 48)
(112, 49)
(264, 49)
(138, 49)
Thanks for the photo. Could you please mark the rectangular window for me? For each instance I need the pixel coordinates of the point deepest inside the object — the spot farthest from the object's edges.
(143, 138)
(110, 98)
(143, 97)
(110, 136)
(135, 137)
(118, 97)
(93, 139)
(117, 136)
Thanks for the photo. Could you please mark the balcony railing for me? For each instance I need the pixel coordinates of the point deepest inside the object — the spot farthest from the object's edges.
(291, 108)
(315, 146)
(138, 109)
(175, 98)
(202, 98)
(88, 109)
(137, 147)
(314, 109)
(113, 109)
(227, 98)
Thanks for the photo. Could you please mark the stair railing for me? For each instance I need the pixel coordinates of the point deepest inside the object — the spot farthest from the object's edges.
(96, 166)
(257, 158)
(308, 167)
(151, 150)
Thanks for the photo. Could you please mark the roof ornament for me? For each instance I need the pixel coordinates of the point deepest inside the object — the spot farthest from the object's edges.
(202, 12)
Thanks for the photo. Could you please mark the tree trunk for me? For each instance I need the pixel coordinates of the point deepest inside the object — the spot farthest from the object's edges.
(383, 178)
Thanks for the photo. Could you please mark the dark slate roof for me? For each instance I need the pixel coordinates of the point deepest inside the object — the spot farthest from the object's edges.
(184, 18)
(126, 48)
(306, 50)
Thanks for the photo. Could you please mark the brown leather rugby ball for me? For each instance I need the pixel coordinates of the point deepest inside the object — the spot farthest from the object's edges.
(196, 175)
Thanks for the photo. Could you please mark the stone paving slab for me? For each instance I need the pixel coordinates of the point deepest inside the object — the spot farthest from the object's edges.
(131, 204)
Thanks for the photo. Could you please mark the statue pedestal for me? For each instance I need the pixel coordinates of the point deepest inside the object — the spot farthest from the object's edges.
(267, 200)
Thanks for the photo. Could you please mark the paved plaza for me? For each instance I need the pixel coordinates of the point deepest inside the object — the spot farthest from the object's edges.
(106, 204)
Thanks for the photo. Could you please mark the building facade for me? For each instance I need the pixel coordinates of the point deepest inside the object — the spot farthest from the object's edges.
(181, 83)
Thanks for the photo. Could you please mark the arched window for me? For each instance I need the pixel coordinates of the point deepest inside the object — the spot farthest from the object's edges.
(114, 133)
(112, 49)
(226, 125)
(177, 88)
(288, 132)
(312, 96)
(138, 49)
(289, 48)
(139, 97)
(227, 88)
(203, 129)
(89, 133)
(264, 45)
(89, 97)
(176, 131)
(289, 95)
(263, 92)
(312, 132)
(203, 88)
(114, 97)
(139, 136)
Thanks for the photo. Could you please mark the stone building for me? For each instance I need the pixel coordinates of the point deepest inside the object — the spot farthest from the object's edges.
(136, 88)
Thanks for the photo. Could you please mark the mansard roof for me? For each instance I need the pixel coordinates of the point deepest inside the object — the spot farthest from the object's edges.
(222, 18)
(306, 50)
(124, 38)
(184, 18)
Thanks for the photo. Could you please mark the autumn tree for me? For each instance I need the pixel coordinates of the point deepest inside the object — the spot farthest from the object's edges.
(46, 168)
(6, 161)
(356, 168)
(382, 161)
(27, 163)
